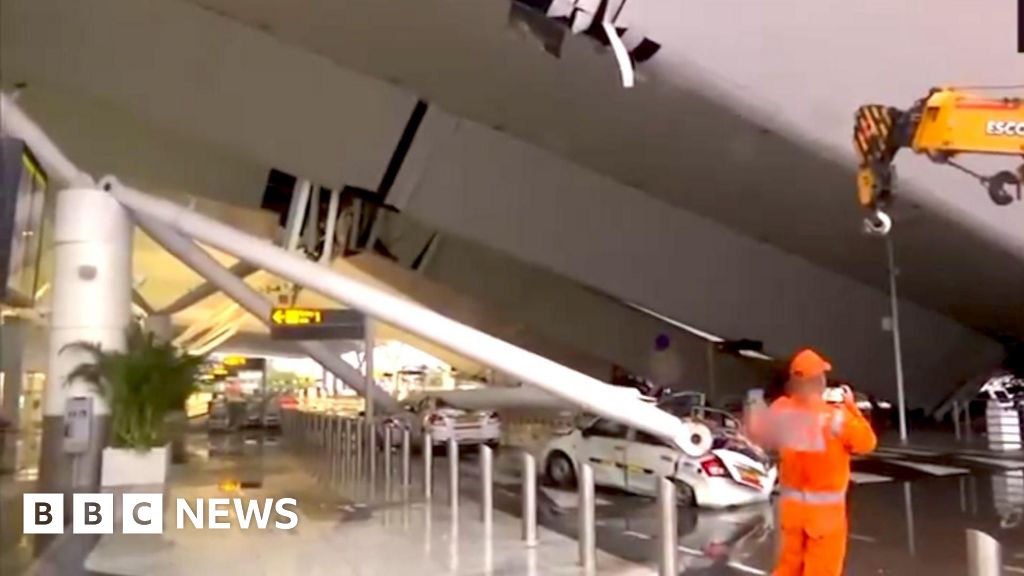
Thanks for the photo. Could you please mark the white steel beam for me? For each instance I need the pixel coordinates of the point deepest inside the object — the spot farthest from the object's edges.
(254, 303)
(591, 394)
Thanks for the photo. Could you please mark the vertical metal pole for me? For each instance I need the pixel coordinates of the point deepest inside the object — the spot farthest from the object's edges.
(428, 466)
(486, 486)
(453, 475)
(325, 422)
(529, 499)
(406, 456)
(346, 447)
(984, 557)
(712, 384)
(896, 343)
(360, 425)
(387, 457)
(968, 430)
(587, 527)
(669, 534)
(908, 509)
(368, 347)
(297, 214)
(956, 419)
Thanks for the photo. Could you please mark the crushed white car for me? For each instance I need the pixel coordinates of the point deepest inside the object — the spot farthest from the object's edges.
(734, 472)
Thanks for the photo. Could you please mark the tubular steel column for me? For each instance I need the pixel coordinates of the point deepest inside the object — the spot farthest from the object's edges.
(406, 464)
(486, 486)
(669, 534)
(428, 465)
(346, 449)
(587, 520)
(894, 305)
(529, 499)
(984, 557)
(369, 345)
(90, 302)
(360, 469)
(453, 476)
(387, 459)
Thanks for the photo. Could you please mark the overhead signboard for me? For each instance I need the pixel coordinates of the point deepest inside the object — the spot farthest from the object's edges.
(316, 324)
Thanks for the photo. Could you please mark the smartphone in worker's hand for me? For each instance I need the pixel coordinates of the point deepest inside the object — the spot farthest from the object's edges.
(835, 394)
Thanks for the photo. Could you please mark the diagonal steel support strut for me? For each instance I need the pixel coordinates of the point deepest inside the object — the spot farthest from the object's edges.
(253, 302)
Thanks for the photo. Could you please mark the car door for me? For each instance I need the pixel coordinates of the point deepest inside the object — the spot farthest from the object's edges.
(648, 458)
(604, 448)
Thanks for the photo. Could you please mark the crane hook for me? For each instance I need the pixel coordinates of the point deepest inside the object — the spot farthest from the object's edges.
(999, 187)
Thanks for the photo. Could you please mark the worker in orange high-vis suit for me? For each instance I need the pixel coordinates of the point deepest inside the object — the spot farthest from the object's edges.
(814, 440)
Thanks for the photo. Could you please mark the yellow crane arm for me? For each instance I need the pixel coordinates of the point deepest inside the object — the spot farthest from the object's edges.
(942, 125)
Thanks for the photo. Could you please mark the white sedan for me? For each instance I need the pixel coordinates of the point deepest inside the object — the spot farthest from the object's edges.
(466, 426)
(444, 422)
(733, 473)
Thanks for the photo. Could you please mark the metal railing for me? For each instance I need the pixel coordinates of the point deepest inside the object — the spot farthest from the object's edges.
(347, 442)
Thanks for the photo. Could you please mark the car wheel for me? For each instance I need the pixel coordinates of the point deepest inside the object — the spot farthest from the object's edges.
(559, 470)
(685, 495)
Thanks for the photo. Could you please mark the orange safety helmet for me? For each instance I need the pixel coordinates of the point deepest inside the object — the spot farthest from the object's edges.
(807, 363)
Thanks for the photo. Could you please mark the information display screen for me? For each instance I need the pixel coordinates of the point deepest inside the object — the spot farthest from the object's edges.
(22, 196)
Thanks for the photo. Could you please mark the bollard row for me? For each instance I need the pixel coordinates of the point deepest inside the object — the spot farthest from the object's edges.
(352, 446)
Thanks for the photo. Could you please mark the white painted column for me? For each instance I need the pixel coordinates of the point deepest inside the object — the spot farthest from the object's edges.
(91, 302)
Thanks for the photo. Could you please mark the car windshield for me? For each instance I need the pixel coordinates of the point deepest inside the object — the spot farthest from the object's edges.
(740, 445)
(681, 405)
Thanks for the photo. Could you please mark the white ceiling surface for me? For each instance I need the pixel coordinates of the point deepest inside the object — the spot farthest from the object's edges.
(105, 139)
(677, 136)
(188, 70)
(744, 116)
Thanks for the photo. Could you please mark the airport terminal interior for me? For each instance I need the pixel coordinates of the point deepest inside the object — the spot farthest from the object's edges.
(511, 287)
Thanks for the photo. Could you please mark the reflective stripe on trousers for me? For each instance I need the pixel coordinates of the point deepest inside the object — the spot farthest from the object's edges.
(814, 497)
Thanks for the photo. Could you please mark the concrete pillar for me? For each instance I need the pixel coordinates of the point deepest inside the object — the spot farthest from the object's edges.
(12, 374)
(91, 301)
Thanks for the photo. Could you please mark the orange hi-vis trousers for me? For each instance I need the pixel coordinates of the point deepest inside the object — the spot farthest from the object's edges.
(813, 537)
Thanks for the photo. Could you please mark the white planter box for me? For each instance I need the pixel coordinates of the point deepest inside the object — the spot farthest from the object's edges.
(123, 467)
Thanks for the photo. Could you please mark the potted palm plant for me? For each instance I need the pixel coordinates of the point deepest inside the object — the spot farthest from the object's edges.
(142, 384)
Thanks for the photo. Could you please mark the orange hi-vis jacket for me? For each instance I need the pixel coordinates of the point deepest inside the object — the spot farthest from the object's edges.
(815, 442)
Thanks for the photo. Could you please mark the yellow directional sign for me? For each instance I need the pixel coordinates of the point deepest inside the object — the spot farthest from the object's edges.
(234, 360)
(296, 316)
(316, 324)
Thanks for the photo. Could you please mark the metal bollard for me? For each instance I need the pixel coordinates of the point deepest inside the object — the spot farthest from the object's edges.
(406, 456)
(587, 520)
(428, 465)
(453, 476)
(325, 431)
(529, 499)
(359, 451)
(486, 486)
(983, 554)
(332, 435)
(968, 433)
(371, 449)
(956, 419)
(346, 448)
(387, 456)
(669, 534)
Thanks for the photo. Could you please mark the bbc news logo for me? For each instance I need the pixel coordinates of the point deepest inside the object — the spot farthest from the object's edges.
(144, 513)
